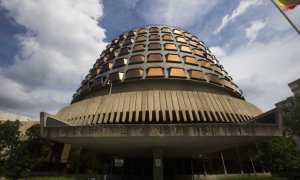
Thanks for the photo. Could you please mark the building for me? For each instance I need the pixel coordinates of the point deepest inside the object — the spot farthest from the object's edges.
(295, 87)
(12, 117)
(157, 98)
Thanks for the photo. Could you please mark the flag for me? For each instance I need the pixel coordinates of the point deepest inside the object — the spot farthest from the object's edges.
(287, 4)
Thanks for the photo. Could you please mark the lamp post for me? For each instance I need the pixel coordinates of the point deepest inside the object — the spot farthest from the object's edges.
(109, 83)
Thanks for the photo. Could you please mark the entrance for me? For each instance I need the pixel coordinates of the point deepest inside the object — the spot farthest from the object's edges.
(141, 168)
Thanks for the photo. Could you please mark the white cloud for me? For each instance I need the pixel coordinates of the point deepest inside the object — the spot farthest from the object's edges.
(62, 42)
(181, 13)
(218, 52)
(253, 29)
(263, 70)
(241, 9)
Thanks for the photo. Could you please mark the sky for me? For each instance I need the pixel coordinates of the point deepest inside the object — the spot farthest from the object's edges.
(47, 47)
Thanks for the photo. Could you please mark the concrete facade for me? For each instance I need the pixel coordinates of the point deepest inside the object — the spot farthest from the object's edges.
(157, 91)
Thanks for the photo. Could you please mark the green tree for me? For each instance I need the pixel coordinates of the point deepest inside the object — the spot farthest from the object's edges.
(9, 135)
(19, 157)
(280, 153)
(291, 115)
(277, 154)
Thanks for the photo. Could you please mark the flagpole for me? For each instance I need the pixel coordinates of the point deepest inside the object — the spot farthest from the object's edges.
(287, 18)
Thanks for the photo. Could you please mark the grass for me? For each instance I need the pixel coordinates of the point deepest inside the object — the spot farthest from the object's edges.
(51, 178)
(253, 178)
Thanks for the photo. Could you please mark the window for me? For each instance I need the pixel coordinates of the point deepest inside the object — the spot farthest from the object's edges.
(154, 46)
(185, 49)
(155, 57)
(139, 47)
(134, 73)
(136, 59)
(155, 72)
(190, 60)
(177, 72)
(173, 58)
(170, 47)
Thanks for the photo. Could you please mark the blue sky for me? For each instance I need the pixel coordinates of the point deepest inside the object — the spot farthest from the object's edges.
(47, 47)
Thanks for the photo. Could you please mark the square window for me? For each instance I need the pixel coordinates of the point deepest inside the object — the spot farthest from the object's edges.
(214, 79)
(154, 30)
(141, 39)
(131, 33)
(155, 57)
(155, 72)
(190, 60)
(106, 67)
(165, 30)
(118, 76)
(209, 57)
(142, 31)
(136, 59)
(205, 64)
(197, 75)
(139, 47)
(120, 62)
(180, 39)
(124, 50)
(228, 84)
(154, 46)
(170, 47)
(154, 37)
(193, 43)
(134, 73)
(188, 35)
(176, 31)
(173, 58)
(177, 72)
(95, 71)
(128, 41)
(167, 37)
(185, 49)
(198, 52)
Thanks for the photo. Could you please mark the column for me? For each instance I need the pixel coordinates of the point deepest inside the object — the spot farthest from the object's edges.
(223, 162)
(158, 163)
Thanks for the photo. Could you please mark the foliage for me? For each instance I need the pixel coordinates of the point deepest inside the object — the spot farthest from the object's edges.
(291, 115)
(252, 178)
(9, 134)
(18, 157)
(278, 154)
(51, 178)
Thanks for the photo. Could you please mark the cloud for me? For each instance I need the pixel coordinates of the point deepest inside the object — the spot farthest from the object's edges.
(183, 13)
(263, 70)
(218, 52)
(253, 29)
(62, 42)
(241, 9)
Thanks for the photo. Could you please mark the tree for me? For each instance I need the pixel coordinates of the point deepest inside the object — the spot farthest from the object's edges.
(278, 154)
(20, 156)
(9, 135)
(291, 115)
(36, 145)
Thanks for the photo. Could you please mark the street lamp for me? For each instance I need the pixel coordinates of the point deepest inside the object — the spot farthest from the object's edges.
(109, 83)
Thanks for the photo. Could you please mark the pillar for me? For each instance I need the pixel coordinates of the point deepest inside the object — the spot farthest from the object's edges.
(223, 162)
(239, 160)
(158, 163)
(204, 167)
